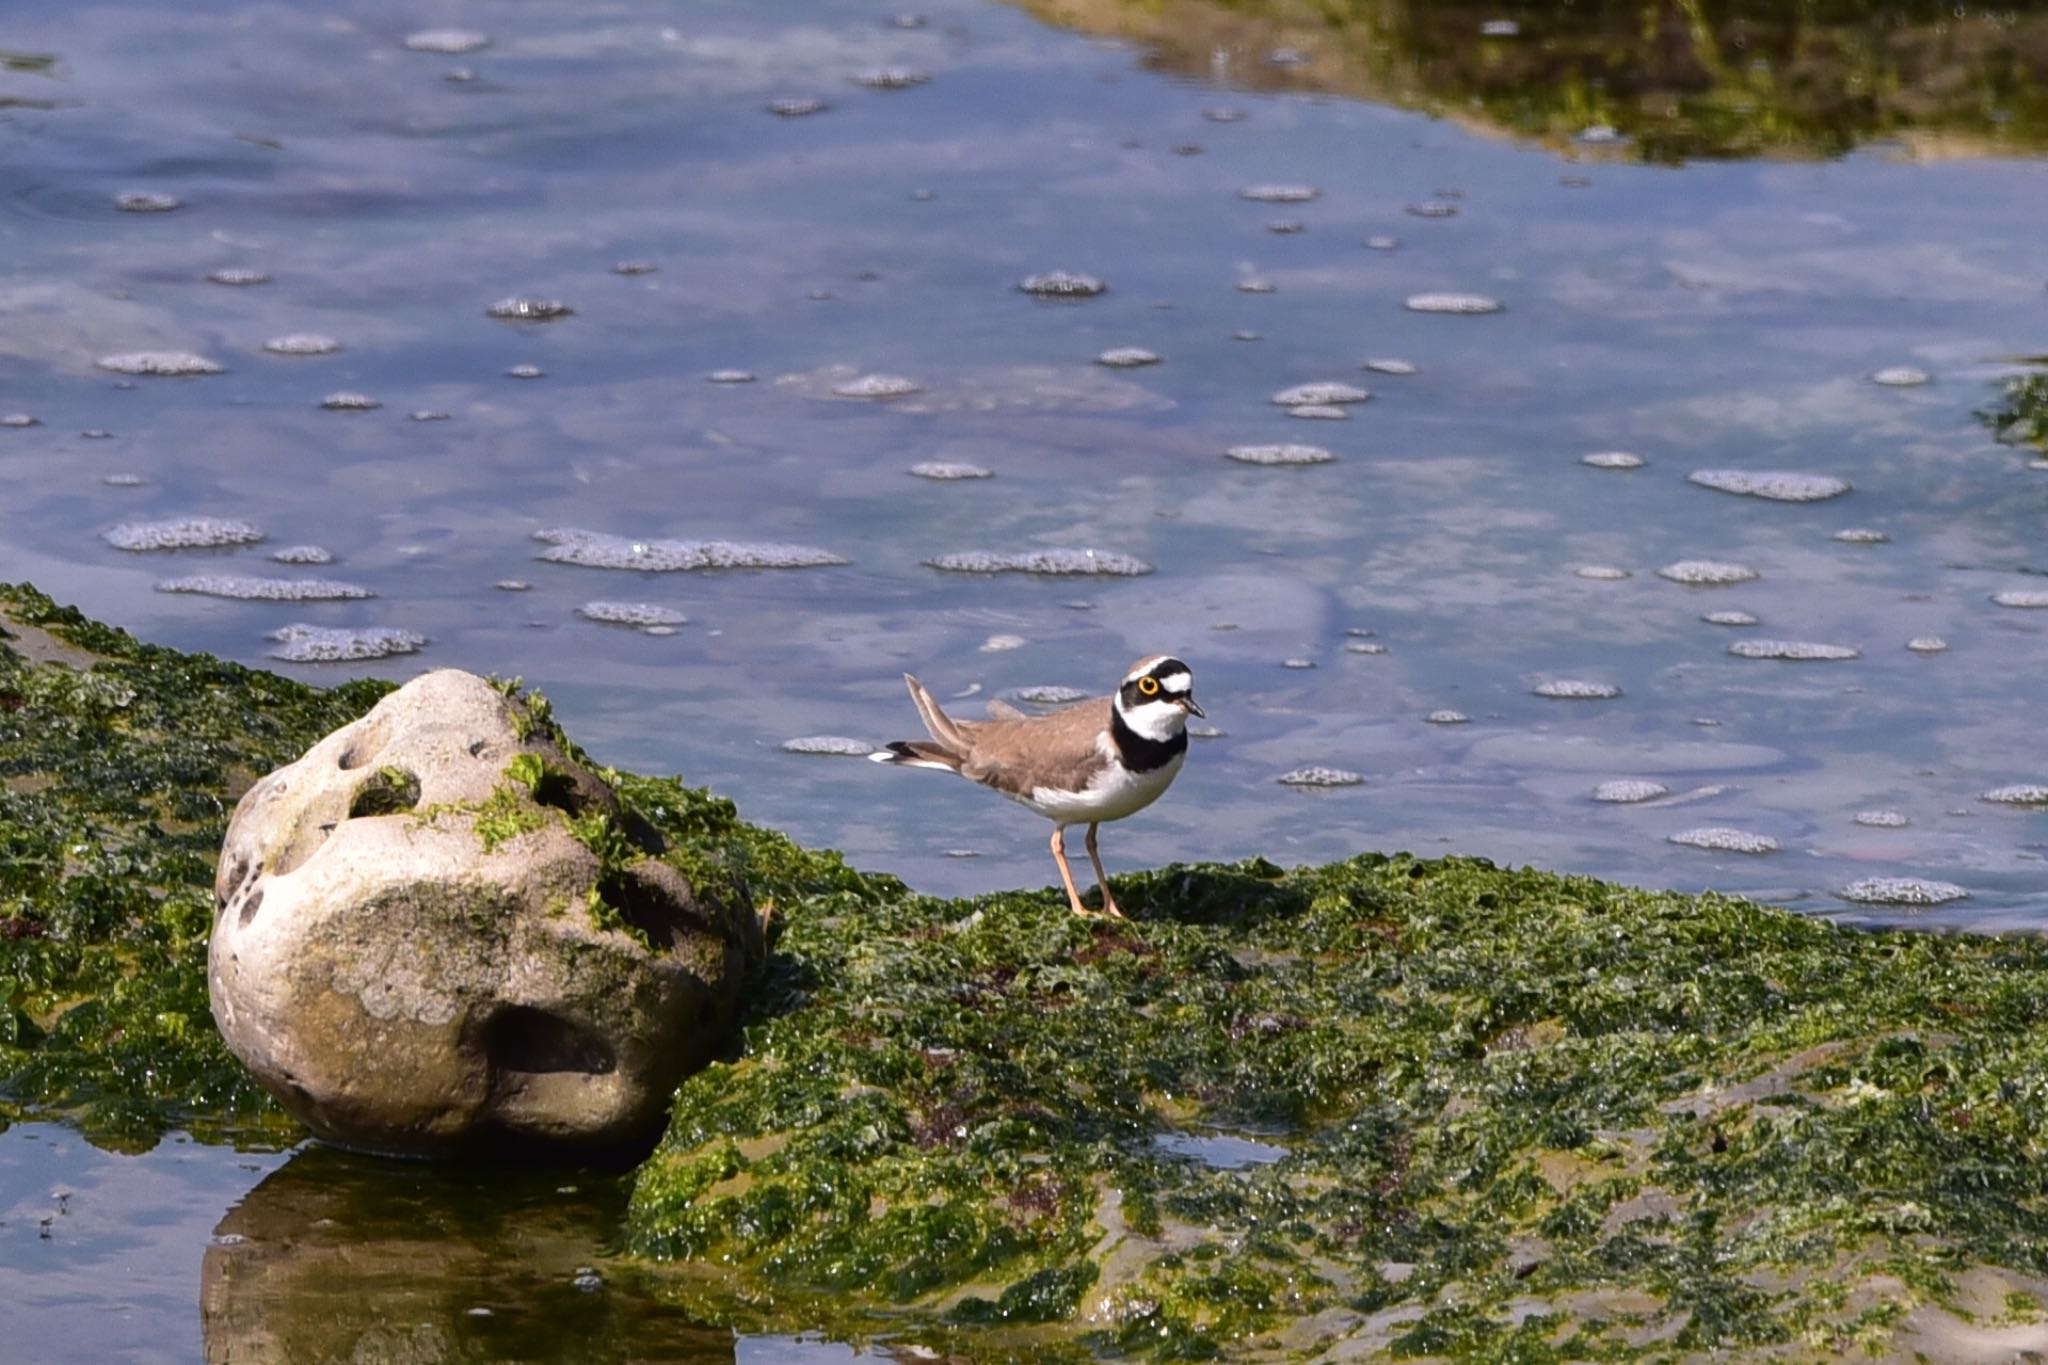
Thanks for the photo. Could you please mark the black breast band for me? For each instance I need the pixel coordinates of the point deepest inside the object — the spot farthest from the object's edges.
(1142, 755)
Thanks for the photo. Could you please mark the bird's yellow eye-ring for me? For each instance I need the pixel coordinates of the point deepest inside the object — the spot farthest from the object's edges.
(1149, 686)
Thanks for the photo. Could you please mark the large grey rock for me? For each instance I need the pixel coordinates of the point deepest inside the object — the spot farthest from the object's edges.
(407, 948)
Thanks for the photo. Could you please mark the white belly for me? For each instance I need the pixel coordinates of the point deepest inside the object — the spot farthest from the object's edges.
(1115, 793)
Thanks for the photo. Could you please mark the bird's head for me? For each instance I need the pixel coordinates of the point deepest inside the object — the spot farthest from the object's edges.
(1157, 697)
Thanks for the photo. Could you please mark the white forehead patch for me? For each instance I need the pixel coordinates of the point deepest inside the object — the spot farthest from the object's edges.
(1178, 684)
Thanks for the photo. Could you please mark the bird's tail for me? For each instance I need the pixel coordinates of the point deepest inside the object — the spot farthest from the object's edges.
(947, 744)
(937, 723)
(917, 753)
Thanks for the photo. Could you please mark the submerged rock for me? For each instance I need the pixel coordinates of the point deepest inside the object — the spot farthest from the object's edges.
(438, 930)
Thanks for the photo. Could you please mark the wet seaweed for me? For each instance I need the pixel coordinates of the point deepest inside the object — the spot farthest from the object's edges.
(1522, 1116)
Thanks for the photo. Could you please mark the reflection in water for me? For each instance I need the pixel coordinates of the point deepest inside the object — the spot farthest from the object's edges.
(337, 1257)
(1655, 80)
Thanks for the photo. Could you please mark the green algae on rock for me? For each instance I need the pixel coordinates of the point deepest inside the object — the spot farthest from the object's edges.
(2019, 416)
(119, 762)
(1497, 1114)
(1523, 1116)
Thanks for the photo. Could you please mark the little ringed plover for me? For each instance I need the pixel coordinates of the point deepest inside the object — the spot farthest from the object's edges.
(1093, 761)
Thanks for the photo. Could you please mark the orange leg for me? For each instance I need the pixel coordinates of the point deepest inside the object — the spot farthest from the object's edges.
(1059, 854)
(1101, 878)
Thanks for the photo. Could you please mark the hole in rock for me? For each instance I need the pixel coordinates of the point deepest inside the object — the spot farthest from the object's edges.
(388, 791)
(237, 876)
(647, 907)
(522, 1038)
(367, 743)
(250, 907)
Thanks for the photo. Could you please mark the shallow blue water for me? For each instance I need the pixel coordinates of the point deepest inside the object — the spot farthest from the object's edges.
(1702, 317)
(1708, 316)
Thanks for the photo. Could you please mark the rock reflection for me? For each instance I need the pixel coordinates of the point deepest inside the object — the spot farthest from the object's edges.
(342, 1257)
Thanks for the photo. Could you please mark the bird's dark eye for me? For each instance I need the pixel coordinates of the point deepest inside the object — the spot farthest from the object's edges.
(1149, 686)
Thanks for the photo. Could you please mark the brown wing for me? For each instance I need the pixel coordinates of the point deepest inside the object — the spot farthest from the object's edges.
(1058, 749)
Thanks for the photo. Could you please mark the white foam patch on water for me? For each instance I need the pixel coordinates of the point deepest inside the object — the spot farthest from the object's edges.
(1107, 562)
(19, 419)
(642, 614)
(306, 644)
(446, 41)
(835, 746)
(1862, 535)
(1612, 459)
(891, 78)
(1326, 412)
(253, 589)
(236, 275)
(878, 386)
(730, 377)
(303, 554)
(1602, 573)
(1773, 485)
(147, 201)
(1390, 365)
(1322, 394)
(1627, 790)
(1576, 689)
(1467, 305)
(598, 550)
(1062, 284)
(182, 533)
(1448, 717)
(1280, 194)
(1050, 694)
(346, 401)
(2026, 599)
(1798, 651)
(1882, 819)
(797, 108)
(998, 644)
(1287, 453)
(1320, 777)
(1707, 572)
(1729, 618)
(173, 363)
(1909, 891)
(1127, 357)
(518, 309)
(1365, 647)
(2018, 794)
(302, 343)
(1927, 644)
(1722, 839)
(946, 470)
(1900, 377)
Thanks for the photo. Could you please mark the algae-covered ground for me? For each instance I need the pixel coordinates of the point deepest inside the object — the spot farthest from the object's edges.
(1429, 1109)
